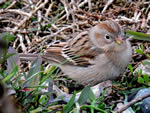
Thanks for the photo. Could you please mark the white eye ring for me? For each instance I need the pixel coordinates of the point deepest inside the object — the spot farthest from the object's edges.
(107, 37)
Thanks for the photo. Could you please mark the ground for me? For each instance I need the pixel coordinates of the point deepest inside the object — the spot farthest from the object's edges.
(37, 24)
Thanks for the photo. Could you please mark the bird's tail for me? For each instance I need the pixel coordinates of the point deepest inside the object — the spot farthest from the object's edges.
(28, 56)
(50, 57)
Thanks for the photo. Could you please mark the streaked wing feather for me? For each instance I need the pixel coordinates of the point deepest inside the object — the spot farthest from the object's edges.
(54, 53)
(57, 58)
(78, 51)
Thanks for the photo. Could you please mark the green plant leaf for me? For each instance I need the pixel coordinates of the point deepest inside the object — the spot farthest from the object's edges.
(146, 78)
(140, 80)
(146, 62)
(36, 110)
(94, 107)
(32, 78)
(6, 57)
(139, 72)
(70, 104)
(101, 105)
(7, 37)
(13, 73)
(84, 95)
(92, 96)
(138, 35)
(142, 47)
(139, 51)
(5, 5)
(131, 68)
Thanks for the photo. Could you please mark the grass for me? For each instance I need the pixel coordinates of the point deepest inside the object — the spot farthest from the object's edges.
(33, 89)
(29, 88)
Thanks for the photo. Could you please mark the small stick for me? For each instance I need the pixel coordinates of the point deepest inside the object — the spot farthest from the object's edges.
(21, 42)
(106, 6)
(49, 9)
(30, 15)
(11, 5)
(124, 107)
(17, 11)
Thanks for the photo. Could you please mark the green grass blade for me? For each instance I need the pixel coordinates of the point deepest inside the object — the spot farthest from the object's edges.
(13, 73)
(70, 104)
(94, 107)
(33, 74)
(85, 94)
(138, 35)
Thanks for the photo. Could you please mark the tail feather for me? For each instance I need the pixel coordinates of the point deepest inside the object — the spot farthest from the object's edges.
(28, 56)
(48, 57)
(53, 54)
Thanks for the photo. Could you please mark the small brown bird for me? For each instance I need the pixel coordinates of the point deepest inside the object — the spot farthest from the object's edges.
(93, 56)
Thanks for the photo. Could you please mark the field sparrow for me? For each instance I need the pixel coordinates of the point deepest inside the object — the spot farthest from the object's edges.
(100, 54)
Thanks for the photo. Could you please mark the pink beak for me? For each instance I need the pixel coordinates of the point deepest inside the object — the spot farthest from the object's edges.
(119, 39)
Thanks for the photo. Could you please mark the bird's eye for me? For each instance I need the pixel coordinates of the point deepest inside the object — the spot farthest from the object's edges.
(107, 37)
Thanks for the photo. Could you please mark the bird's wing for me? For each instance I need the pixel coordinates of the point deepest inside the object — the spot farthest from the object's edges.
(77, 51)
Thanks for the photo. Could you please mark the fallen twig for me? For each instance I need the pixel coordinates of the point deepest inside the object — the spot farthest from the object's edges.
(17, 11)
(30, 15)
(124, 107)
(106, 6)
